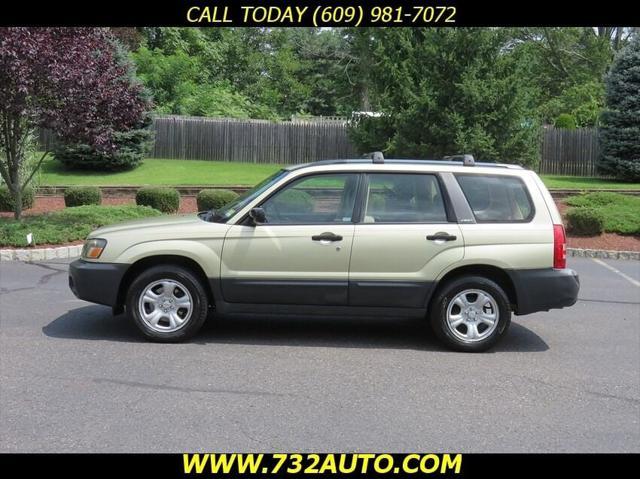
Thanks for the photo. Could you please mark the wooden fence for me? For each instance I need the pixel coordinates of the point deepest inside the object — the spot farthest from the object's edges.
(246, 141)
(569, 152)
(250, 141)
(563, 152)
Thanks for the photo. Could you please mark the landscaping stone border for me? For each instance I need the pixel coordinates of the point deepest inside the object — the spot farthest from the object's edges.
(603, 254)
(73, 251)
(40, 254)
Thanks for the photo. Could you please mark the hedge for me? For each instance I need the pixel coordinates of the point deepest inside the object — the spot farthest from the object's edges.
(6, 199)
(585, 221)
(295, 201)
(82, 195)
(214, 199)
(166, 200)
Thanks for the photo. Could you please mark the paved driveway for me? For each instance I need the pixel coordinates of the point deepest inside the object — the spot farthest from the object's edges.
(74, 378)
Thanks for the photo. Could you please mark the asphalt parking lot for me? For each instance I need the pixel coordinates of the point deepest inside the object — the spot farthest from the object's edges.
(73, 378)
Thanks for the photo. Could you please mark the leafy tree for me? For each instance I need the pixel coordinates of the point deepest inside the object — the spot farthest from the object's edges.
(181, 86)
(583, 102)
(128, 147)
(66, 80)
(172, 78)
(620, 124)
(276, 72)
(566, 66)
(446, 91)
(566, 121)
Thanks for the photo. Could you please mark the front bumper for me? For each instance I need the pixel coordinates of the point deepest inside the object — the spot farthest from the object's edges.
(96, 282)
(544, 289)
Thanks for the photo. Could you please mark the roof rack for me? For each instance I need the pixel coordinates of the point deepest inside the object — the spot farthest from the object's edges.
(375, 157)
(467, 160)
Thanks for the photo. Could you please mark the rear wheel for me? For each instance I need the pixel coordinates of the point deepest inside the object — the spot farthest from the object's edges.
(167, 303)
(470, 313)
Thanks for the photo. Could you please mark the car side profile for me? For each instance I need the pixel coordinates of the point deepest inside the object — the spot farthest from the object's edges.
(462, 244)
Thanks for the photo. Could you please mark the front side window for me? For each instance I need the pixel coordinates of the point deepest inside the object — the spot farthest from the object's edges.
(314, 199)
(496, 199)
(404, 198)
(223, 214)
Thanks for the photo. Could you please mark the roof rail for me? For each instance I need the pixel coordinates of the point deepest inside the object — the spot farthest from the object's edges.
(368, 159)
(467, 159)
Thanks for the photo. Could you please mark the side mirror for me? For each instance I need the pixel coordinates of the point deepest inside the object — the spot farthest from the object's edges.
(258, 216)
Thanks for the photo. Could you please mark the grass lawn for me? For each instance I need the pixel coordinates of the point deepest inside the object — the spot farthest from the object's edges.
(70, 224)
(161, 172)
(582, 182)
(195, 172)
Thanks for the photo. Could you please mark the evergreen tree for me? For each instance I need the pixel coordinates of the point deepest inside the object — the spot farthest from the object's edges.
(448, 91)
(620, 122)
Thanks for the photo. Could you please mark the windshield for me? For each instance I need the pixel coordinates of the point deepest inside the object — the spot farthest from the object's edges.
(223, 214)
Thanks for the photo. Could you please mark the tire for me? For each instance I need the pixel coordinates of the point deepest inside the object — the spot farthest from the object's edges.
(163, 317)
(461, 317)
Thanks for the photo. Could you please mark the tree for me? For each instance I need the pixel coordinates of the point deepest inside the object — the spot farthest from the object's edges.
(620, 123)
(449, 91)
(67, 80)
(566, 66)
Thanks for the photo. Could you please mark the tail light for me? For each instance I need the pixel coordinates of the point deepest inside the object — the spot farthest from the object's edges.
(559, 247)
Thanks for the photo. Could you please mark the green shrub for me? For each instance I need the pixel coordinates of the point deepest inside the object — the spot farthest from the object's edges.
(166, 200)
(294, 201)
(620, 212)
(6, 199)
(70, 224)
(585, 221)
(214, 199)
(82, 195)
(566, 121)
(130, 149)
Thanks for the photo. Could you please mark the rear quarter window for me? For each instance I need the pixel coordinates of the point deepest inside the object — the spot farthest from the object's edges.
(497, 199)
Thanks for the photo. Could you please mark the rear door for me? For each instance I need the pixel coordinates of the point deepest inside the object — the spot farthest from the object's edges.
(301, 255)
(407, 235)
(512, 227)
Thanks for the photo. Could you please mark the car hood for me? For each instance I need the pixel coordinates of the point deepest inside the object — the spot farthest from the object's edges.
(156, 224)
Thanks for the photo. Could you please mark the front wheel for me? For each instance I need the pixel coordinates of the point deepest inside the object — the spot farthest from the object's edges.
(470, 314)
(167, 303)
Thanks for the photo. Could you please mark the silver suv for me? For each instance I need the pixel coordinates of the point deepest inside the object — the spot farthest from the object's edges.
(462, 244)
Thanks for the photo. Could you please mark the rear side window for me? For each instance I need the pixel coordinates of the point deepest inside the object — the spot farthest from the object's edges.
(404, 198)
(497, 199)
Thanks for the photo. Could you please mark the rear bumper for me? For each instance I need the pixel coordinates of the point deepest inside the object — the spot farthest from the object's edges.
(96, 282)
(544, 289)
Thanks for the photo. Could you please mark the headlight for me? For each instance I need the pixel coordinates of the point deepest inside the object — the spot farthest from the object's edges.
(93, 248)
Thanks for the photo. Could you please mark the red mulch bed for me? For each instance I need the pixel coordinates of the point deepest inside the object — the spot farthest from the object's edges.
(606, 241)
(43, 204)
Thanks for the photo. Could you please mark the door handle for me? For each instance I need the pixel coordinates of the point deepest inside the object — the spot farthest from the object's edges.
(327, 237)
(441, 237)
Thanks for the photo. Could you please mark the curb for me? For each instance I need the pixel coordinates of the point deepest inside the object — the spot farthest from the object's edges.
(603, 254)
(73, 251)
(40, 254)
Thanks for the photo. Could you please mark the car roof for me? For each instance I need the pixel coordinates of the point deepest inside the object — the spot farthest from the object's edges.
(409, 162)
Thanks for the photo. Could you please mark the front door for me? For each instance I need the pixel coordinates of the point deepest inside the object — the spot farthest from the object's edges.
(404, 241)
(301, 254)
